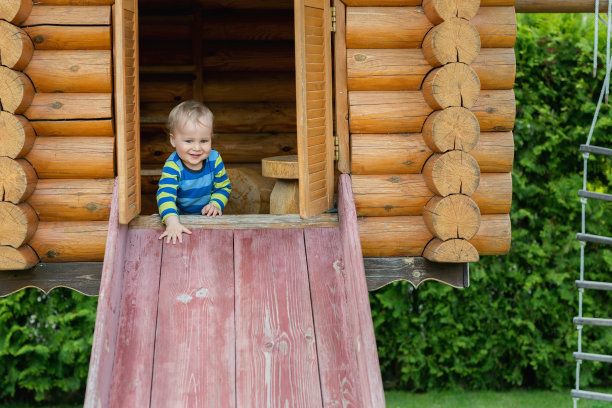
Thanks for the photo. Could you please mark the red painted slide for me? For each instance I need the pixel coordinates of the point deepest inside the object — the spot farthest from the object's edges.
(235, 318)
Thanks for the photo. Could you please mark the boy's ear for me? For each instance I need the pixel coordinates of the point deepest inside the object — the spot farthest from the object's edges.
(172, 140)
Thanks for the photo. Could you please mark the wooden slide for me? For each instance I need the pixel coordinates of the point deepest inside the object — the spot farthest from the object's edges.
(236, 318)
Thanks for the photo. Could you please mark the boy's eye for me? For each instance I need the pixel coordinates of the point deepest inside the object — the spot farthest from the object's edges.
(188, 141)
(204, 141)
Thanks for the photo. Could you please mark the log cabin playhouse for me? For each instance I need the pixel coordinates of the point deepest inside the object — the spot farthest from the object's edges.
(413, 99)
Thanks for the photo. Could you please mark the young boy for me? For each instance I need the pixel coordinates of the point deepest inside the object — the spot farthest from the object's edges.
(193, 179)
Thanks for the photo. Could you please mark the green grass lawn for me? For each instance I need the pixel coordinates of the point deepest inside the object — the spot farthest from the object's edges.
(478, 399)
(488, 399)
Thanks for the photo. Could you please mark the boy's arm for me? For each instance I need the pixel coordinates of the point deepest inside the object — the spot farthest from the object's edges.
(167, 191)
(221, 185)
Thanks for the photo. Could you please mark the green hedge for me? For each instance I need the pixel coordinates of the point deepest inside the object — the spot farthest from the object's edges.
(511, 328)
(45, 342)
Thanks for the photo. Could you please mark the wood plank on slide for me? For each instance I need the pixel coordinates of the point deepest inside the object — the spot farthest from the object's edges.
(194, 351)
(133, 367)
(337, 363)
(276, 361)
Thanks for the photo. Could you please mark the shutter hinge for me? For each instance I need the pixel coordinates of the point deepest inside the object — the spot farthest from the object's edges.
(336, 147)
(333, 19)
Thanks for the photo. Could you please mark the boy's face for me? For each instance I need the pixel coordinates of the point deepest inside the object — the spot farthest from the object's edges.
(192, 142)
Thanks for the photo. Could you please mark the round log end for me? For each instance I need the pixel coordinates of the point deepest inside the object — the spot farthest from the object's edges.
(15, 11)
(454, 40)
(453, 172)
(280, 167)
(18, 223)
(438, 11)
(16, 135)
(16, 90)
(16, 259)
(250, 192)
(453, 128)
(454, 84)
(455, 216)
(15, 45)
(451, 251)
(17, 180)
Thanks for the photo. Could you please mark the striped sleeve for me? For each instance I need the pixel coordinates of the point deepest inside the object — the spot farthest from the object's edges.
(221, 185)
(167, 191)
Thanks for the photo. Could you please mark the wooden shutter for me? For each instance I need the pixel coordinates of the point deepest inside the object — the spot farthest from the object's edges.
(314, 106)
(127, 110)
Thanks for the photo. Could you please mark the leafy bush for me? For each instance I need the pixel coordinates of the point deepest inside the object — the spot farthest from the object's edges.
(45, 343)
(513, 326)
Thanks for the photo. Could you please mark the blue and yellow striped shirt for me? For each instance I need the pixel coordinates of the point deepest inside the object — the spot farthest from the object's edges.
(186, 191)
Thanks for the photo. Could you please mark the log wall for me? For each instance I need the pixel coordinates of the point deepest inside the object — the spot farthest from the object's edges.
(56, 132)
(237, 58)
(431, 113)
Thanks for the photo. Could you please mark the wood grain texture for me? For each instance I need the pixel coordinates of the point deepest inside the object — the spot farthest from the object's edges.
(405, 27)
(15, 45)
(361, 3)
(416, 270)
(404, 69)
(16, 90)
(454, 40)
(73, 157)
(15, 11)
(72, 199)
(195, 348)
(559, 6)
(84, 277)
(276, 361)
(453, 172)
(70, 71)
(52, 106)
(341, 89)
(313, 58)
(455, 216)
(133, 364)
(406, 111)
(17, 179)
(450, 251)
(454, 84)
(451, 128)
(16, 135)
(16, 259)
(359, 302)
(70, 241)
(408, 235)
(331, 312)
(403, 153)
(104, 343)
(127, 107)
(51, 37)
(438, 11)
(257, 221)
(18, 223)
(280, 167)
(101, 127)
(69, 15)
(407, 194)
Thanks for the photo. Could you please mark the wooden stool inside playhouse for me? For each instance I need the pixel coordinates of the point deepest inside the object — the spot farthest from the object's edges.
(284, 198)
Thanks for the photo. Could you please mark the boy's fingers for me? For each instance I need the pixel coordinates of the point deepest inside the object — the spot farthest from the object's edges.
(186, 230)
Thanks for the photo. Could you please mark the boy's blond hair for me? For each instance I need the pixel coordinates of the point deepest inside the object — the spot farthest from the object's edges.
(189, 111)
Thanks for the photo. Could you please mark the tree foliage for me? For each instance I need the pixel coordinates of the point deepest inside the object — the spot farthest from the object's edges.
(513, 326)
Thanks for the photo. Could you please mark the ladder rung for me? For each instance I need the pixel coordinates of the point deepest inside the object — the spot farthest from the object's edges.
(592, 321)
(594, 285)
(593, 357)
(597, 196)
(592, 395)
(596, 150)
(594, 238)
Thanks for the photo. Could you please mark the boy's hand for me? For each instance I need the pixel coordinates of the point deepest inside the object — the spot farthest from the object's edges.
(174, 230)
(211, 210)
